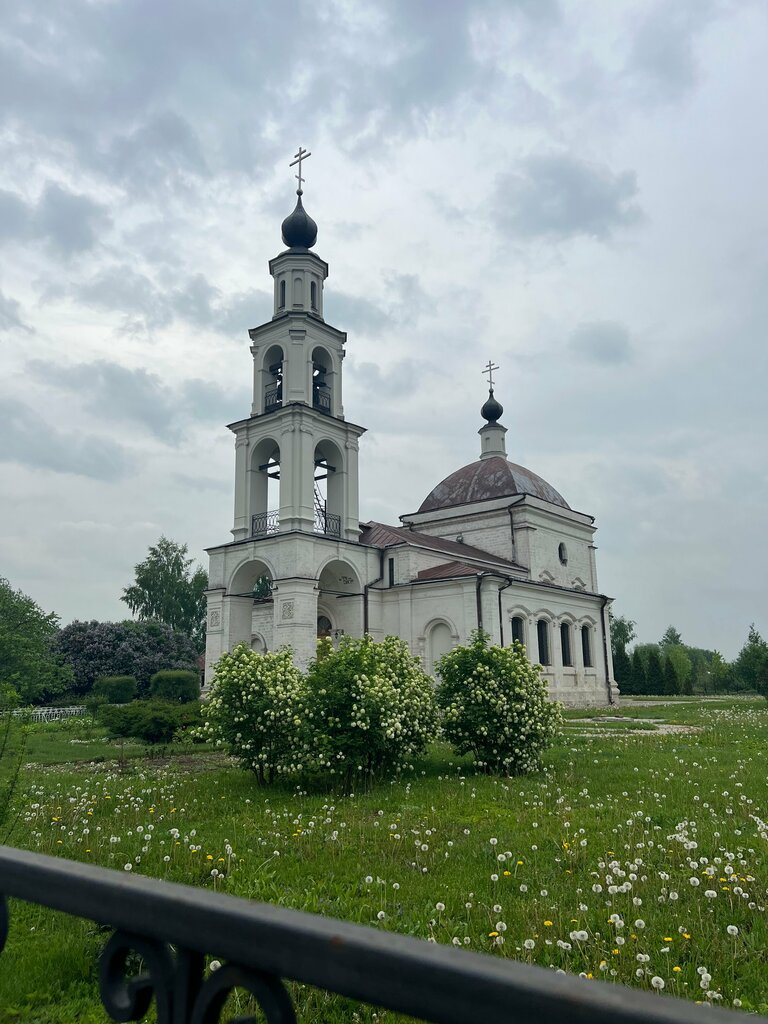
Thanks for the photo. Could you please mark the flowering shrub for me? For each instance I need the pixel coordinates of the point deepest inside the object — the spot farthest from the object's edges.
(256, 710)
(371, 706)
(495, 706)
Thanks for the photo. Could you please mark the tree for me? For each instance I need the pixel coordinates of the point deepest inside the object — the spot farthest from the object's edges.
(622, 633)
(139, 649)
(670, 682)
(622, 669)
(27, 662)
(169, 591)
(638, 681)
(654, 671)
(677, 656)
(671, 638)
(749, 660)
(720, 674)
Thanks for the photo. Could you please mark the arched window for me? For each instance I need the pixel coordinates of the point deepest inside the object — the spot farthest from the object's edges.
(324, 626)
(565, 644)
(313, 295)
(321, 381)
(282, 294)
(562, 554)
(518, 633)
(586, 647)
(542, 635)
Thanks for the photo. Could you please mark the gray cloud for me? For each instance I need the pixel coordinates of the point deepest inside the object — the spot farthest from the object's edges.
(662, 59)
(69, 222)
(112, 392)
(161, 154)
(10, 315)
(603, 342)
(558, 196)
(24, 440)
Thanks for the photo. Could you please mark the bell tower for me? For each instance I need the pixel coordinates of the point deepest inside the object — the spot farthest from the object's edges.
(296, 455)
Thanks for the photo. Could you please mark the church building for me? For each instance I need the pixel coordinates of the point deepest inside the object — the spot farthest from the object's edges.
(492, 546)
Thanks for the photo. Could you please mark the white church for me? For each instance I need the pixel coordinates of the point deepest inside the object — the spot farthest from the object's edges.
(492, 546)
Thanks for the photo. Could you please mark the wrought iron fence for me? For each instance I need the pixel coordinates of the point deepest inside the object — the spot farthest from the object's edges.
(173, 928)
(264, 523)
(327, 523)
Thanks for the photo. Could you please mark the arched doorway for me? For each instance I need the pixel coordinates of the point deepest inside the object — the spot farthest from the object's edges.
(440, 640)
(251, 612)
(340, 598)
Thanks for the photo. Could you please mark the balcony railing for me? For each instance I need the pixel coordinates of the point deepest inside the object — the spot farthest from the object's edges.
(327, 523)
(265, 523)
(171, 929)
(321, 399)
(273, 397)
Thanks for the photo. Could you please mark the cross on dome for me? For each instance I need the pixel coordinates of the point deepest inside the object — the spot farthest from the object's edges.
(302, 154)
(491, 366)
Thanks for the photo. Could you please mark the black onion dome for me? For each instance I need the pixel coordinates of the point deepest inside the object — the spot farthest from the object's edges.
(492, 409)
(299, 230)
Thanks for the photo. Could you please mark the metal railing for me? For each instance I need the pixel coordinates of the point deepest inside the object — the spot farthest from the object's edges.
(327, 523)
(50, 714)
(265, 523)
(321, 399)
(273, 397)
(174, 927)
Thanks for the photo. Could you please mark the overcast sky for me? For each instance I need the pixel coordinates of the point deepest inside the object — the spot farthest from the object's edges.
(574, 189)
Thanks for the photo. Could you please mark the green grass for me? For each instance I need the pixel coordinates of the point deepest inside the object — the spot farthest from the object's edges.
(404, 847)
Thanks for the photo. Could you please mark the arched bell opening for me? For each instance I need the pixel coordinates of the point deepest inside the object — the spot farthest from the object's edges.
(329, 489)
(340, 600)
(322, 381)
(264, 489)
(272, 378)
(249, 596)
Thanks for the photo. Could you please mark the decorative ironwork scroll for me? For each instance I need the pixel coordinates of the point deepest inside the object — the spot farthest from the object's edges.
(172, 929)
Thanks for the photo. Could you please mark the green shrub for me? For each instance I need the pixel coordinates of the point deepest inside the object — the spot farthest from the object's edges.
(175, 684)
(256, 710)
(371, 707)
(115, 689)
(495, 706)
(152, 721)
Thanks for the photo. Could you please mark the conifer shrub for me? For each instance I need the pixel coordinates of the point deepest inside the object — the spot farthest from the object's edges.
(115, 689)
(177, 685)
(495, 706)
(256, 711)
(371, 707)
(152, 721)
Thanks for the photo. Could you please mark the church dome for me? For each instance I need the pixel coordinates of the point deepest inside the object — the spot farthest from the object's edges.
(492, 409)
(487, 479)
(299, 230)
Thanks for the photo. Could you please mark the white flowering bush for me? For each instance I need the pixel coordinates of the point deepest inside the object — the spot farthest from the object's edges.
(371, 707)
(256, 711)
(495, 706)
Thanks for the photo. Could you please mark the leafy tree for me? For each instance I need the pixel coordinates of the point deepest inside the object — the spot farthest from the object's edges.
(761, 678)
(622, 633)
(27, 662)
(750, 659)
(654, 671)
(638, 683)
(168, 590)
(670, 682)
(677, 655)
(139, 649)
(721, 674)
(671, 638)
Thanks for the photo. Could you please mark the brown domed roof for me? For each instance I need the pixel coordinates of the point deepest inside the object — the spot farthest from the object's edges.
(487, 479)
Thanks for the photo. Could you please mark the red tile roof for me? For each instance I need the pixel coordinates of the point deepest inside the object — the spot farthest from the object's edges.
(448, 570)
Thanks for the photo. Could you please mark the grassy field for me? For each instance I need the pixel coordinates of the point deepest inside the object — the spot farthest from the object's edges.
(628, 859)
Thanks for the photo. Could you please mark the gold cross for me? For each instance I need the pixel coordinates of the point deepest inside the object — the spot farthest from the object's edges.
(301, 155)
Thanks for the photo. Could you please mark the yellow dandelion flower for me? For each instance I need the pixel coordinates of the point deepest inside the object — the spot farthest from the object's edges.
(547, 924)
(668, 938)
(507, 874)
(615, 952)
(677, 969)
(686, 935)
(492, 935)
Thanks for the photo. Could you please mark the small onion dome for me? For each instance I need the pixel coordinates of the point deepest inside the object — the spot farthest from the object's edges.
(299, 230)
(492, 409)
